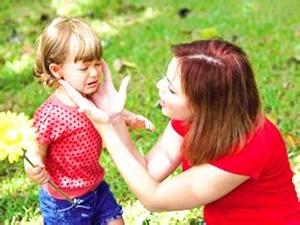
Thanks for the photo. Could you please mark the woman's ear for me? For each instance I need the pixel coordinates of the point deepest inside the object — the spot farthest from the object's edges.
(54, 69)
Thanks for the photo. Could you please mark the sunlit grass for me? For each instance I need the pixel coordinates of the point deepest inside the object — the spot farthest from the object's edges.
(142, 33)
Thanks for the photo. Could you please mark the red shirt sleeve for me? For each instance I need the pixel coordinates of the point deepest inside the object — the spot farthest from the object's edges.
(250, 161)
(180, 126)
(47, 123)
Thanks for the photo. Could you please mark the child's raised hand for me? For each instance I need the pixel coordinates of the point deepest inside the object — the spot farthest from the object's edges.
(137, 121)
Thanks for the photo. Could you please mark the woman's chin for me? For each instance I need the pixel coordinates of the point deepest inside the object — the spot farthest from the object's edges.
(165, 112)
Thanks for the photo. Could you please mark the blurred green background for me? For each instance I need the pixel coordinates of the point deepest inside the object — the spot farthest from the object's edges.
(137, 36)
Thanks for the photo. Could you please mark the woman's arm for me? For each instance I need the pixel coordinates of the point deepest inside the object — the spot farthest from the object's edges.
(198, 186)
(162, 159)
(166, 154)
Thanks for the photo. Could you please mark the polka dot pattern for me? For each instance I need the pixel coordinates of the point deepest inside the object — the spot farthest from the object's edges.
(74, 145)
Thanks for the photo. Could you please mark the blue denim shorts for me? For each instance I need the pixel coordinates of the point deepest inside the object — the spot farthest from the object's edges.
(94, 208)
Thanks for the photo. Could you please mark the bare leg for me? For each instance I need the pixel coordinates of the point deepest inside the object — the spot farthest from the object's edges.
(119, 221)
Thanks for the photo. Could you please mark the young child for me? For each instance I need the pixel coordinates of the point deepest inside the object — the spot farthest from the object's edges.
(69, 145)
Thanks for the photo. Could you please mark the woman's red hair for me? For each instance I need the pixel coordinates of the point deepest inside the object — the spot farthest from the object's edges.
(219, 83)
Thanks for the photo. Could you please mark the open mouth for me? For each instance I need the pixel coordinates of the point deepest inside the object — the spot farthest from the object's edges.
(162, 103)
(92, 83)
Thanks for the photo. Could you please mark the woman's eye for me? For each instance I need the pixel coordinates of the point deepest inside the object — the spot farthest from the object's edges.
(171, 91)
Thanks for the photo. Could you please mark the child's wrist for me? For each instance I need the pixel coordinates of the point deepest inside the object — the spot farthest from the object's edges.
(116, 118)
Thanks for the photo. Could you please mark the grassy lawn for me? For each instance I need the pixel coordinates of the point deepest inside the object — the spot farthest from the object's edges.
(140, 34)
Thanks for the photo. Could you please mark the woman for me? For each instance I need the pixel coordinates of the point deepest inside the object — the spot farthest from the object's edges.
(234, 159)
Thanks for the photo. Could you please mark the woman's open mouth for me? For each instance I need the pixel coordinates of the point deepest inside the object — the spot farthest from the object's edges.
(162, 103)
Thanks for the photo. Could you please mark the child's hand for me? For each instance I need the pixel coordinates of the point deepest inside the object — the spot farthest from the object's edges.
(37, 174)
(137, 121)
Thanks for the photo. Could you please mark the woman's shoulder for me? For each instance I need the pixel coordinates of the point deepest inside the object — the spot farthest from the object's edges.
(267, 133)
(180, 126)
(263, 141)
(263, 147)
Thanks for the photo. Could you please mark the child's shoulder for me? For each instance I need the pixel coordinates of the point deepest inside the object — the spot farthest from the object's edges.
(50, 108)
(56, 111)
(48, 105)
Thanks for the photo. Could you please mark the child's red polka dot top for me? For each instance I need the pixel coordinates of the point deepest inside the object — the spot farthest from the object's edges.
(74, 148)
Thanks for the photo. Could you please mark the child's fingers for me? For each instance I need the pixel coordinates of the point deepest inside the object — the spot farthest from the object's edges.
(39, 175)
(34, 171)
(148, 124)
(125, 113)
(143, 122)
(45, 178)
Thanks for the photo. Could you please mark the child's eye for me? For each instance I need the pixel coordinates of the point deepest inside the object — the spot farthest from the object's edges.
(83, 69)
(98, 64)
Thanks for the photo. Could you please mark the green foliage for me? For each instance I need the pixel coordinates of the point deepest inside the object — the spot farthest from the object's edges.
(142, 33)
(18, 200)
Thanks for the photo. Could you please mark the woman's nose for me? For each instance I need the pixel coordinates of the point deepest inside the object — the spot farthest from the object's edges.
(161, 84)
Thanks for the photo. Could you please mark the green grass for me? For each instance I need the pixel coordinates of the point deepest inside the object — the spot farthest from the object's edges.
(142, 33)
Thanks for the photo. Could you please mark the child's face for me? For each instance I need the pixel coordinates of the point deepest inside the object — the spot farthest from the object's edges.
(83, 76)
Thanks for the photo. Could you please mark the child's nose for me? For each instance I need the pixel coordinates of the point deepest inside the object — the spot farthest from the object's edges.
(94, 72)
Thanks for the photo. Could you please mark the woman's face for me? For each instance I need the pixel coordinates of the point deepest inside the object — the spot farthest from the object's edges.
(173, 102)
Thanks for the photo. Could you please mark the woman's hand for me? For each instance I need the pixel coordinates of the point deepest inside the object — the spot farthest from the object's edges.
(107, 98)
(85, 105)
(107, 101)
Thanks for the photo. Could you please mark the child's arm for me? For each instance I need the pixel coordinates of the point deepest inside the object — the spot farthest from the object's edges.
(37, 173)
(137, 121)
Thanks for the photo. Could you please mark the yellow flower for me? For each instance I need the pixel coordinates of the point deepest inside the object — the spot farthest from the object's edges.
(16, 135)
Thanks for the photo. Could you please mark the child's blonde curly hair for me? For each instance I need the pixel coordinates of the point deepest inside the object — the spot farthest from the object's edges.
(65, 38)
